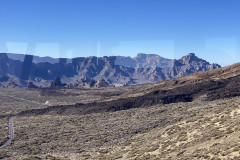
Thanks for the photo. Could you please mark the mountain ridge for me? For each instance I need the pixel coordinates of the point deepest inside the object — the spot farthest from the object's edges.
(144, 68)
(203, 86)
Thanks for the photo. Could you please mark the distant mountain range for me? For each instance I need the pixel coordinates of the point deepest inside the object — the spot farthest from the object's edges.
(118, 70)
(36, 59)
(203, 86)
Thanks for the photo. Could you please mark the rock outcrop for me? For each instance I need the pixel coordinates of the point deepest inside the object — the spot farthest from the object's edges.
(82, 83)
(101, 83)
(57, 83)
(89, 84)
(31, 85)
(12, 84)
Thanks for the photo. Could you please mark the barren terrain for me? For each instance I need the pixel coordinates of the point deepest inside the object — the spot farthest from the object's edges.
(193, 117)
(3, 130)
(190, 130)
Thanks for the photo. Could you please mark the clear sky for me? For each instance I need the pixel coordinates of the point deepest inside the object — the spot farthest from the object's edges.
(75, 28)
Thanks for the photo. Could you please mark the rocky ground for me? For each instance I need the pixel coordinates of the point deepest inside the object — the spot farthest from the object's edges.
(193, 117)
(3, 130)
(15, 100)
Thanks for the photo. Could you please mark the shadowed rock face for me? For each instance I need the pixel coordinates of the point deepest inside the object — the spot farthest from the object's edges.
(57, 83)
(26, 68)
(31, 85)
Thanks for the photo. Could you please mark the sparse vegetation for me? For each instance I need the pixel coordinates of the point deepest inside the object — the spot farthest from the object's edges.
(184, 130)
(15, 100)
(3, 130)
(174, 131)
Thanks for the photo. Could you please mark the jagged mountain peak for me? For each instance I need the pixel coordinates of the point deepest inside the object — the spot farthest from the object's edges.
(191, 55)
(189, 58)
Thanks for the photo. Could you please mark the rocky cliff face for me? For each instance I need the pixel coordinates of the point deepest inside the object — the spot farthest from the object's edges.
(144, 68)
(190, 64)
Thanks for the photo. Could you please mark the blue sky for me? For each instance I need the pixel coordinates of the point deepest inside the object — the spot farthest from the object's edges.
(75, 28)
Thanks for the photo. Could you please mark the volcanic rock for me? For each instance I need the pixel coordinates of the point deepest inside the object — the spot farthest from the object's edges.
(57, 83)
(31, 85)
(118, 70)
(101, 83)
(12, 84)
